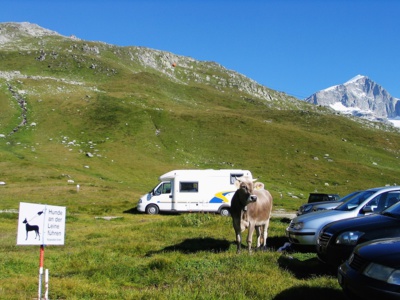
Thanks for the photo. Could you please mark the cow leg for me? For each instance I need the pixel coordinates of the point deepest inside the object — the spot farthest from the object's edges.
(265, 235)
(238, 241)
(250, 236)
(258, 234)
(237, 227)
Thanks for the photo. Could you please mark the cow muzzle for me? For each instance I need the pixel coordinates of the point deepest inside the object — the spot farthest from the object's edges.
(252, 198)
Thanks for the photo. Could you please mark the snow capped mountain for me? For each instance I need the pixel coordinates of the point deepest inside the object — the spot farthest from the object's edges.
(361, 97)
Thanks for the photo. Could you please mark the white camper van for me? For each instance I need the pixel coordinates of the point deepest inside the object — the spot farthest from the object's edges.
(192, 190)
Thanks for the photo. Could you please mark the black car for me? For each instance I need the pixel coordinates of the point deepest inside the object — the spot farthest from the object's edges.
(320, 197)
(337, 240)
(372, 271)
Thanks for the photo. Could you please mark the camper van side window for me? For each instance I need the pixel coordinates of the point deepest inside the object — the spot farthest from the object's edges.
(166, 188)
(234, 176)
(189, 187)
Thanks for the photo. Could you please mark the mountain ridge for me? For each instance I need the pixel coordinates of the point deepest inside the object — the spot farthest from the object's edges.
(359, 96)
(162, 61)
(166, 62)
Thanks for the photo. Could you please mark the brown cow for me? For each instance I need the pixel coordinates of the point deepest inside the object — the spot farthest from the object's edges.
(251, 207)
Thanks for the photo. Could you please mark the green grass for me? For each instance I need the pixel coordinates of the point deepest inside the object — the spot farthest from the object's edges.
(140, 118)
(188, 256)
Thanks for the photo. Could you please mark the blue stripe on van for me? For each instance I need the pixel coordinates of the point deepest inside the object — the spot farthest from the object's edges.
(220, 197)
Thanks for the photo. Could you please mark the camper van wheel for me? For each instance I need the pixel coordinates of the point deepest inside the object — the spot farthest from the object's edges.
(224, 212)
(152, 209)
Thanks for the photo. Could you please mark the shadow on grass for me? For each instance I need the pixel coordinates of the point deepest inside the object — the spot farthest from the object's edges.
(285, 220)
(306, 292)
(197, 245)
(214, 245)
(305, 269)
(274, 243)
(134, 211)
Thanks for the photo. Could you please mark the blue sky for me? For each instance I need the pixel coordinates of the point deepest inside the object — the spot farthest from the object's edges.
(294, 46)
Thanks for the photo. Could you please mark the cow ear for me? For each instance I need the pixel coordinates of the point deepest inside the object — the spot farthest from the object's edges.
(259, 186)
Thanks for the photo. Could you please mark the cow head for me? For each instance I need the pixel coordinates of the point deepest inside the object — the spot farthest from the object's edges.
(245, 187)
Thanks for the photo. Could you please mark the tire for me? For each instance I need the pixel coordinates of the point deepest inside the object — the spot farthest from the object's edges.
(152, 209)
(225, 212)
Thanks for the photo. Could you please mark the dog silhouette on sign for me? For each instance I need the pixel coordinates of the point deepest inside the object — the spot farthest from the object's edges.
(28, 228)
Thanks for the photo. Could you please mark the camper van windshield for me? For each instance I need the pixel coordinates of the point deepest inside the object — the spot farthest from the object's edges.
(164, 188)
(189, 187)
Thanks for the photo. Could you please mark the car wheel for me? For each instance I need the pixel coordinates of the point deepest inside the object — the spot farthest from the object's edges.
(225, 212)
(152, 209)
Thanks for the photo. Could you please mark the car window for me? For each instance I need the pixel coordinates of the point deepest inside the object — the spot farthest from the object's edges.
(373, 204)
(381, 202)
(354, 202)
(393, 209)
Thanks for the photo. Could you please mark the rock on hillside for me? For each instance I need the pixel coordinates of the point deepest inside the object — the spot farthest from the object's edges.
(361, 97)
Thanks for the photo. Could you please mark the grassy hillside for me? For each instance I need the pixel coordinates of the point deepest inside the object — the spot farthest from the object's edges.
(141, 117)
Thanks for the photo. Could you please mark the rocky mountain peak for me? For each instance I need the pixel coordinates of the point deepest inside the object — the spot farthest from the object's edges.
(359, 96)
(12, 30)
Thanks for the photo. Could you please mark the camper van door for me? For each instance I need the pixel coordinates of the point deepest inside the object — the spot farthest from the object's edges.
(163, 195)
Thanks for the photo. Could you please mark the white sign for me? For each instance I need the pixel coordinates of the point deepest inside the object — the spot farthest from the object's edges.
(41, 224)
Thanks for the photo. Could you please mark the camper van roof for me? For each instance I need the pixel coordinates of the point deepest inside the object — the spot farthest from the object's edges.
(201, 173)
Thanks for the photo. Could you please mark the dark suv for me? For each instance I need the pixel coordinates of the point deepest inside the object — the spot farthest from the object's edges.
(318, 197)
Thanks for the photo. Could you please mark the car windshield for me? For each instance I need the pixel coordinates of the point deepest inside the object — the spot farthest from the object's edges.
(354, 202)
(392, 211)
(349, 196)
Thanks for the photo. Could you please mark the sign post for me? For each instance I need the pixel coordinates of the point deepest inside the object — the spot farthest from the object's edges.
(41, 224)
(46, 284)
(41, 261)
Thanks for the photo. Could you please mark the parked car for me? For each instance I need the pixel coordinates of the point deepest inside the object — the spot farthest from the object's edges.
(372, 271)
(337, 240)
(320, 197)
(303, 230)
(322, 205)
